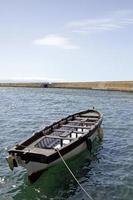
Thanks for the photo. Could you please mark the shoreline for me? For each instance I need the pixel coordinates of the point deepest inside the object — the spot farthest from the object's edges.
(98, 85)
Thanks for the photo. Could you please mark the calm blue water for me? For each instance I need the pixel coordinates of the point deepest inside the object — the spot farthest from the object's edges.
(107, 174)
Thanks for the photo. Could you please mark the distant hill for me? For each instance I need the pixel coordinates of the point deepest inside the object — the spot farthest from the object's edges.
(99, 85)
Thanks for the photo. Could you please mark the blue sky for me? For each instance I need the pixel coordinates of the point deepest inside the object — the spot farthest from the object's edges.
(66, 40)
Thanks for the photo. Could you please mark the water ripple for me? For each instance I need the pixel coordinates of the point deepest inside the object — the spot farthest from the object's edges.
(106, 174)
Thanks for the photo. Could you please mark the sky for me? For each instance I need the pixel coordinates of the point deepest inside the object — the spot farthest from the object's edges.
(66, 40)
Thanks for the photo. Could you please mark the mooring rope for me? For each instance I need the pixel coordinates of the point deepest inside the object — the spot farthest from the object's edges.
(88, 195)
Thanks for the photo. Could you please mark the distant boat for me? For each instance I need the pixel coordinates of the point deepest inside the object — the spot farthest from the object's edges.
(70, 136)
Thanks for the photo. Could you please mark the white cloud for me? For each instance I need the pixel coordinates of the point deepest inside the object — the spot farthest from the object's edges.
(118, 20)
(56, 41)
(93, 25)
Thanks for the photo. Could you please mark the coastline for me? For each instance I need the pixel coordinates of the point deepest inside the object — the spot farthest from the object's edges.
(98, 85)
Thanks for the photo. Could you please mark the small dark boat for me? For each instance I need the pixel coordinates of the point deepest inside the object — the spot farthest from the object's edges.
(70, 136)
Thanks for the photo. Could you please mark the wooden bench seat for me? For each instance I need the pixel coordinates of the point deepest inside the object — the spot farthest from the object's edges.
(72, 126)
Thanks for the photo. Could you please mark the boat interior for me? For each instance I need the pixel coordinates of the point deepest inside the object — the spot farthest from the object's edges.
(67, 130)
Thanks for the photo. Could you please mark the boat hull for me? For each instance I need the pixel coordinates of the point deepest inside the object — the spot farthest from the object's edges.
(66, 137)
(34, 169)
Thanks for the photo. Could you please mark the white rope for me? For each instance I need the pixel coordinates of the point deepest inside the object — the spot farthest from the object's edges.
(73, 175)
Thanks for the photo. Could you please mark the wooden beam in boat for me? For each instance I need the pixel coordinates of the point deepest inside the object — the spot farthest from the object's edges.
(58, 130)
(58, 137)
(92, 119)
(83, 122)
(62, 131)
(88, 115)
(76, 132)
(72, 126)
(66, 133)
(81, 118)
(79, 132)
(88, 118)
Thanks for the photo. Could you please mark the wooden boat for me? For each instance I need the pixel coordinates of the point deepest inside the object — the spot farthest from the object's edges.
(70, 136)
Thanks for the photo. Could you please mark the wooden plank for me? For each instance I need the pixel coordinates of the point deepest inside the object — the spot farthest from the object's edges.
(93, 119)
(58, 137)
(81, 118)
(72, 126)
(59, 130)
(89, 115)
(79, 132)
(76, 121)
(64, 133)
(90, 119)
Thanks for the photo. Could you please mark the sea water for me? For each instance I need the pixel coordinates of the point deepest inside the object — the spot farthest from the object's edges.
(105, 174)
